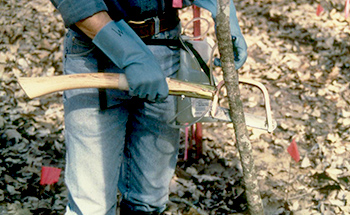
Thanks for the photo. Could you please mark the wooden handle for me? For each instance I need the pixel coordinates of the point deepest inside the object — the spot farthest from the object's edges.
(39, 86)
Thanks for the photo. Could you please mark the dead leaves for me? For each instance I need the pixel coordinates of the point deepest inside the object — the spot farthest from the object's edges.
(30, 131)
(305, 60)
(301, 57)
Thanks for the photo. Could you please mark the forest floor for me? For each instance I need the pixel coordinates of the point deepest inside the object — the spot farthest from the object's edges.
(303, 60)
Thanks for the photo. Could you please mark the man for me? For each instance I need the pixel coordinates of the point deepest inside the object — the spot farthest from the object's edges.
(117, 139)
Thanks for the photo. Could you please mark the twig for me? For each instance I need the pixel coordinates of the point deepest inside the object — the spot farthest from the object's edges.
(287, 191)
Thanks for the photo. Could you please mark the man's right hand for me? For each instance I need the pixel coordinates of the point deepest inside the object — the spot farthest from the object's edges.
(124, 47)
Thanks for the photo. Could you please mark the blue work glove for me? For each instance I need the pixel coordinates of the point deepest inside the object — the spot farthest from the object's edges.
(239, 44)
(125, 48)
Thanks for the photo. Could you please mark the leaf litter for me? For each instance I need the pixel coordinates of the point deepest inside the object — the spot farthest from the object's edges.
(300, 53)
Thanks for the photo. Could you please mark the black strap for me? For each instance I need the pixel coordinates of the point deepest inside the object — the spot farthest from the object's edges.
(177, 43)
(103, 98)
(201, 62)
(102, 94)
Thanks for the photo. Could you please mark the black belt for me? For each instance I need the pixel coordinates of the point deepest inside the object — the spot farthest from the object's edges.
(153, 26)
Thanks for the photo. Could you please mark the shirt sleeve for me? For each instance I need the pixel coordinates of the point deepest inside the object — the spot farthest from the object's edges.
(73, 11)
(209, 5)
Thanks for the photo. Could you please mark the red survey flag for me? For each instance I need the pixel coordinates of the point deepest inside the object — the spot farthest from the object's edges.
(293, 151)
(347, 8)
(319, 10)
(49, 175)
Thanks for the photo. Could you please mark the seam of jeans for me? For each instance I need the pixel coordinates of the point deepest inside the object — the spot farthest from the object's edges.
(127, 174)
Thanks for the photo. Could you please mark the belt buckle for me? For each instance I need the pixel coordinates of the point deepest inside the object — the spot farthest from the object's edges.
(140, 22)
(152, 24)
(137, 22)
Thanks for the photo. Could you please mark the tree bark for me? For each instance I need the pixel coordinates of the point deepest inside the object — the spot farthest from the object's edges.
(255, 205)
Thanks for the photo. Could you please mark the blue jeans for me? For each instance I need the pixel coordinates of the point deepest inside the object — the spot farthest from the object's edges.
(127, 146)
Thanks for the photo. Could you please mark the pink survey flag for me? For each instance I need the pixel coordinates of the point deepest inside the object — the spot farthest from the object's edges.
(319, 10)
(49, 175)
(293, 151)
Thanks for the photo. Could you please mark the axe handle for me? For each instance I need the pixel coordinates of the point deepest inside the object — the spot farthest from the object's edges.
(39, 86)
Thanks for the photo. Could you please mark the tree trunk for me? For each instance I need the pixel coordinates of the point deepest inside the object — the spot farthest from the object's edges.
(255, 205)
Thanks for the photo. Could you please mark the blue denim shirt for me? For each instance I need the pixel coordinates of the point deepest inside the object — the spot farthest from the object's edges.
(73, 11)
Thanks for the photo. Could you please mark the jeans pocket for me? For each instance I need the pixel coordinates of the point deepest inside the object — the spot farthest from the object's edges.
(78, 44)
